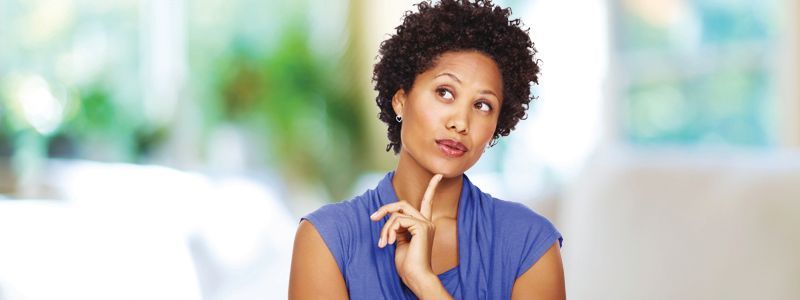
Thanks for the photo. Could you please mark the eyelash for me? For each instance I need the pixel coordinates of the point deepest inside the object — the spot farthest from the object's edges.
(486, 103)
(442, 91)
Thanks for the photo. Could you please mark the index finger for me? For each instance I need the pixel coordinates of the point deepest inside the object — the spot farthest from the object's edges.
(427, 198)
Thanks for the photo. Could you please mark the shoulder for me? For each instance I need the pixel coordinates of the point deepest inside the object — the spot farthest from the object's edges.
(525, 234)
(511, 215)
(532, 246)
(341, 226)
(340, 215)
(315, 271)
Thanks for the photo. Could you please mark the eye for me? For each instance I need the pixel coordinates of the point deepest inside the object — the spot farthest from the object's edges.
(483, 106)
(444, 93)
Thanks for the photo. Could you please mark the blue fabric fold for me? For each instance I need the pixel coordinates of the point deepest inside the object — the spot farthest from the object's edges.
(497, 241)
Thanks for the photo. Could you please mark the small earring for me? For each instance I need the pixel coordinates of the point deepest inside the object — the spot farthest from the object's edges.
(398, 119)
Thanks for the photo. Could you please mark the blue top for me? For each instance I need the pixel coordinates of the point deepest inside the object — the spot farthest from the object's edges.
(497, 242)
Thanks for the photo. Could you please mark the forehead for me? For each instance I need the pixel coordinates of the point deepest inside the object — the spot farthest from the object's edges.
(470, 67)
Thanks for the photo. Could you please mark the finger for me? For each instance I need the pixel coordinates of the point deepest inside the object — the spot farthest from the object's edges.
(399, 206)
(384, 236)
(400, 222)
(407, 225)
(387, 229)
(402, 237)
(427, 198)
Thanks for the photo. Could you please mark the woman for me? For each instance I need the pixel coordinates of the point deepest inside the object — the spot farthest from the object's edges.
(454, 78)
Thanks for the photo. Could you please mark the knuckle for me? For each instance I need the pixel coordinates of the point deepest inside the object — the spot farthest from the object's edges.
(404, 205)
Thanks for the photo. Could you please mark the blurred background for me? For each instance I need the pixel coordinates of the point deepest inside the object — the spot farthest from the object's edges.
(165, 149)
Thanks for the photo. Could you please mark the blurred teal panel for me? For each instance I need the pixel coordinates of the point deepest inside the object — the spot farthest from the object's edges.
(697, 72)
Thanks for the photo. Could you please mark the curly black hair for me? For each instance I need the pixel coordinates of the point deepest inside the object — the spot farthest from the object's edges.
(457, 25)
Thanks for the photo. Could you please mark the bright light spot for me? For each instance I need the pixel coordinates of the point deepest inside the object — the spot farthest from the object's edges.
(39, 107)
(567, 123)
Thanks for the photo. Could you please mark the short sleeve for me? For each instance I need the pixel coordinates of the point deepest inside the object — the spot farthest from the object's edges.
(529, 236)
(334, 224)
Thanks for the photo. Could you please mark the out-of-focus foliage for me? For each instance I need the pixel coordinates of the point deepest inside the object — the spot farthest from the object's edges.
(300, 100)
(69, 78)
(77, 82)
(311, 123)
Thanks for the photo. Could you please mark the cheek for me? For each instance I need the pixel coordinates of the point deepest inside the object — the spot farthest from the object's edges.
(428, 117)
(419, 122)
(485, 131)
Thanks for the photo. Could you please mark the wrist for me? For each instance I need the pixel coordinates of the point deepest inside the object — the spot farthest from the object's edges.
(427, 286)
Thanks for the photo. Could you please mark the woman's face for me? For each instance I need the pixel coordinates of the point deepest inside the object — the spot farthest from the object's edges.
(450, 113)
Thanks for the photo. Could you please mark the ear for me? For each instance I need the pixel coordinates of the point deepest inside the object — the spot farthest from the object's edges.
(398, 101)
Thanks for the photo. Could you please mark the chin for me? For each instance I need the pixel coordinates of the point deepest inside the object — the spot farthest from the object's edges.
(448, 175)
(449, 169)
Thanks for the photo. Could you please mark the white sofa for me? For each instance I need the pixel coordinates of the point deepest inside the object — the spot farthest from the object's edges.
(54, 250)
(122, 231)
(678, 225)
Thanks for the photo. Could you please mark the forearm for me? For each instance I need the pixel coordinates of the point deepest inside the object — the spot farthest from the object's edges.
(428, 287)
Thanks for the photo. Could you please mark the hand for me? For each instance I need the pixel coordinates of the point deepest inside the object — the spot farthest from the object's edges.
(413, 232)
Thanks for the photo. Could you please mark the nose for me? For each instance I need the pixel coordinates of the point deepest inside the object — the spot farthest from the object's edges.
(459, 121)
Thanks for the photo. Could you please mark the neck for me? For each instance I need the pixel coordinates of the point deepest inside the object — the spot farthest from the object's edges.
(410, 181)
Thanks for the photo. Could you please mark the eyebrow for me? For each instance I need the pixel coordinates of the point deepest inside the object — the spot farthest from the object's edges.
(450, 75)
(459, 81)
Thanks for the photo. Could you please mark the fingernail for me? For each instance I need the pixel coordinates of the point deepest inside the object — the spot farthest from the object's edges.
(380, 242)
(373, 215)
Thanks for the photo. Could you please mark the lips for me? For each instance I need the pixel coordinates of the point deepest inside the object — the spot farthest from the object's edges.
(451, 147)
